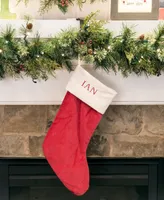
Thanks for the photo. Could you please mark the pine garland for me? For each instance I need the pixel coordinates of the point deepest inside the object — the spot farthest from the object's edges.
(38, 58)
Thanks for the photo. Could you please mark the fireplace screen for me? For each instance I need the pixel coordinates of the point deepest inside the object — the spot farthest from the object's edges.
(95, 193)
(111, 179)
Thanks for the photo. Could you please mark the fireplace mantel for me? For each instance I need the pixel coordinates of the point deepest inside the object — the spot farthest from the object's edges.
(131, 91)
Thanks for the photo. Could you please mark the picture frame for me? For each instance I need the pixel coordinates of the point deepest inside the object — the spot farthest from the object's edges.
(122, 12)
(161, 3)
(161, 9)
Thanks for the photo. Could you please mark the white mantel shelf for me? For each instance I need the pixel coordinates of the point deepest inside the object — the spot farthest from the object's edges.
(131, 91)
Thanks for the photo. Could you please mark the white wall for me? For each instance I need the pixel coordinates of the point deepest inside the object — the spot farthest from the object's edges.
(74, 11)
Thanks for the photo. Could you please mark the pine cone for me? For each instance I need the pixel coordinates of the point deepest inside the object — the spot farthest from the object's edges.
(29, 26)
(141, 37)
(90, 51)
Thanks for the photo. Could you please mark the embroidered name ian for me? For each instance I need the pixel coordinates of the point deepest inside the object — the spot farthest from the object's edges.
(88, 87)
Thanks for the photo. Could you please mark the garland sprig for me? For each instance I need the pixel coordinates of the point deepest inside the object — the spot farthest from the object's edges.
(93, 43)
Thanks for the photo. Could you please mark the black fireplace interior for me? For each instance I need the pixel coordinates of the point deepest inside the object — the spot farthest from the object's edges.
(111, 179)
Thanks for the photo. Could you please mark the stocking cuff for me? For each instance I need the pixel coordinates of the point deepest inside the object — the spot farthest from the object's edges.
(90, 90)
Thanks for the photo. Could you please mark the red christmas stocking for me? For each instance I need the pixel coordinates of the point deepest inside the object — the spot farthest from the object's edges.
(67, 139)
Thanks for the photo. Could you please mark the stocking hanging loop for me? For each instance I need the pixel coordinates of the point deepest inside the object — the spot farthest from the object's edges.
(79, 61)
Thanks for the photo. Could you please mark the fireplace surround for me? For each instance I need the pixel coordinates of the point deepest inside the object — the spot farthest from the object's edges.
(124, 132)
(18, 177)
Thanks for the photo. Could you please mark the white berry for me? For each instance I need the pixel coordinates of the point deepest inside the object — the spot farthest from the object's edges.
(109, 47)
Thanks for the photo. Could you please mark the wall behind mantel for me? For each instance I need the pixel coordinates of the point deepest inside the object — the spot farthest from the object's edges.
(124, 131)
(73, 12)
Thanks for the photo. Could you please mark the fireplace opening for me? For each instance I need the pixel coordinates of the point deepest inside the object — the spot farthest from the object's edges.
(111, 179)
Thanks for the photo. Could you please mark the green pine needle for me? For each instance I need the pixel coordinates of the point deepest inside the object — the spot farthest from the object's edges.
(9, 33)
(159, 35)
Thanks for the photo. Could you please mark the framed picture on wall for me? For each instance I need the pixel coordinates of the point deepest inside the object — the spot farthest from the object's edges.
(134, 9)
(161, 9)
(161, 3)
